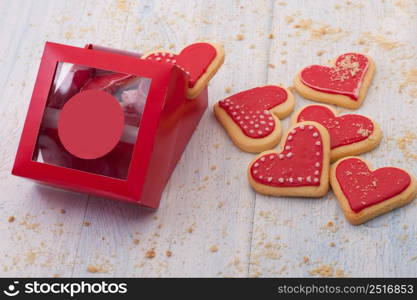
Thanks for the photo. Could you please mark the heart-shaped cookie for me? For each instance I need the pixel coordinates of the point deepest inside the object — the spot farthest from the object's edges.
(199, 60)
(344, 84)
(301, 168)
(251, 117)
(350, 134)
(364, 194)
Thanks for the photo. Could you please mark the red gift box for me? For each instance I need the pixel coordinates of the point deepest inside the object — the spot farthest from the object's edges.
(105, 122)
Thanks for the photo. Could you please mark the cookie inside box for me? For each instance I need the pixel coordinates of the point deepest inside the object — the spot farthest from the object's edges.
(91, 120)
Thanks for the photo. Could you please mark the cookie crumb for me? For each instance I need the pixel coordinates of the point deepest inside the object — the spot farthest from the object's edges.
(332, 244)
(272, 66)
(150, 254)
(62, 211)
(136, 241)
(228, 89)
(168, 253)
(11, 219)
(213, 168)
(240, 37)
(306, 259)
(271, 36)
(320, 52)
(214, 249)
(289, 19)
(87, 223)
(96, 269)
(304, 24)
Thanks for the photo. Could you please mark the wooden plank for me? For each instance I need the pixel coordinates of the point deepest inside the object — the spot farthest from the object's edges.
(43, 238)
(203, 226)
(307, 237)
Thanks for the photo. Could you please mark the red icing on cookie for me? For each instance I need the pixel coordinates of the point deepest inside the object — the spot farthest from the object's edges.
(345, 78)
(194, 59)
(299, 164)
(343, 130)
(363, 188)
(250, 109)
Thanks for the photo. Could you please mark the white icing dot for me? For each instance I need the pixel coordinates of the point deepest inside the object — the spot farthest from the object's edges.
(158, 59)
(302, 126)
(254, 116)
(263, 158)
(310, 127)
(174, 61)
(246, 118)
(163, 54)
(315, 134)
(251, 131)
(267, 128)
(308, 179)
(262, 122)
(289, 154)
(281, 180)
(291, 179)
(255, 171)
(287, 147)
(227, 100)
(238, 118)
(271, 156)
(245, 127)
(171, 55)
(260, 132)
(289, 137)
(234, 113)
(261, 117)
(318, 153)
(317, 172)
(237, 106)
(256, 126)
(300, 179)
(251, 122)
(258, 112)
(270, 118)
(266, 112)
(294, 131)
(269, 179)
(270, 124)
(317, 164)
(241, 122)
(316, 179)
(281, 156)
(260, 177)
(256, 165)
(318, 143)
(242, 112)
(168, 60)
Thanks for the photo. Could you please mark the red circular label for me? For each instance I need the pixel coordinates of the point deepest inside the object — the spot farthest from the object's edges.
(91, 124)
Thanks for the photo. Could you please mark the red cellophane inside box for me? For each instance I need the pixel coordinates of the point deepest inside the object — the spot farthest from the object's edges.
(106, 122)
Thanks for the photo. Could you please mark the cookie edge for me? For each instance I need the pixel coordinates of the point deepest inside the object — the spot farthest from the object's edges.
(337, 99)
(308, 191)
(376, 210)
(366, 145)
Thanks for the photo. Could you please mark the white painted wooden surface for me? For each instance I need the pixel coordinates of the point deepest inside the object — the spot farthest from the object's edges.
(210, 220)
